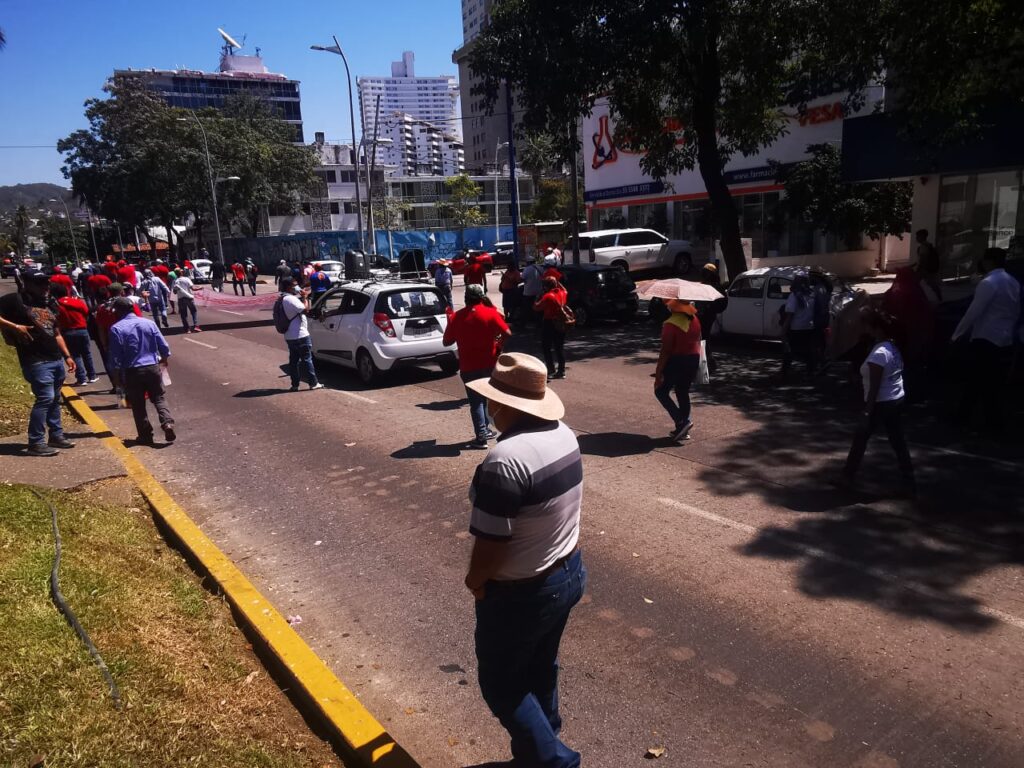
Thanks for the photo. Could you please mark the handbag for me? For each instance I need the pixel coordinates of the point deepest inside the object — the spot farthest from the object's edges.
(703, 374)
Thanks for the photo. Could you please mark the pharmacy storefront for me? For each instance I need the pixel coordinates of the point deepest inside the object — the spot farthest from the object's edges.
(618, 193)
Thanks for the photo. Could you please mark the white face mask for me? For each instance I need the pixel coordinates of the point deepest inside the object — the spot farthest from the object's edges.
(297, 289)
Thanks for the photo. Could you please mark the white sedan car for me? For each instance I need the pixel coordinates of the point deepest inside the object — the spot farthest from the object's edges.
(202, 270)
(377, 326)
(756, 296)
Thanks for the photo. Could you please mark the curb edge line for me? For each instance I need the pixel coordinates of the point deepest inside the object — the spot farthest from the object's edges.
(338, 706)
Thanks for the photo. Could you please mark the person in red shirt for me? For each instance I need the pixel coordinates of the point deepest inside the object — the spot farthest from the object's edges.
(479, 330)
(126, 275)
(677, 365)
(95, 285)
(238, 278)
(73, 321)
(474, 273)
(64, 281)
(552, 326)
(110, 269)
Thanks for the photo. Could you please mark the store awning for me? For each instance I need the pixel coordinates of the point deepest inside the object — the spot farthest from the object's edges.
(874, 149)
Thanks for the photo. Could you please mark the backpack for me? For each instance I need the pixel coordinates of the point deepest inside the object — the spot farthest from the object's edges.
(568, 318)
(281, 320)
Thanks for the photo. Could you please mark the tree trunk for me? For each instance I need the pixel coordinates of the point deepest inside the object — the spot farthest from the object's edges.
(709, 159)
(170, 238)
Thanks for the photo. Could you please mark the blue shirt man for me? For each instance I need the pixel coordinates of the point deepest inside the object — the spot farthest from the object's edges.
(319, 282)
(443, 282)
(140, 352)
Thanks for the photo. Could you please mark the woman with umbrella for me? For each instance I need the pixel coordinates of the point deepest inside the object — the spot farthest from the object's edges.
(679, 360)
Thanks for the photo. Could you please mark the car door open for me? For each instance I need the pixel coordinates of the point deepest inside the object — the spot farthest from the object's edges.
(745, 312)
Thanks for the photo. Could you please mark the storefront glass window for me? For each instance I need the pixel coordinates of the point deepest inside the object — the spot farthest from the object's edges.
(976, 212)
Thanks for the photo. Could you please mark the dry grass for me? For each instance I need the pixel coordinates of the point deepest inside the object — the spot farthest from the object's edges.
(194, 693)
(15, 395)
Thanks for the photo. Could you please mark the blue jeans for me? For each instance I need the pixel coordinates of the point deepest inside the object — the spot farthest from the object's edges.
(46, 379)
(477, 403)
(300, 351)
(446, 295)
(518, 629)
(679, 373)
(187, 306)
(80, 347)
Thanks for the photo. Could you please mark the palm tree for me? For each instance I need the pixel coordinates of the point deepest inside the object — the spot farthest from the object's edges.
(20, 227)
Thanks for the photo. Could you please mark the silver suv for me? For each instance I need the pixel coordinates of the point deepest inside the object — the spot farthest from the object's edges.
(376, 326)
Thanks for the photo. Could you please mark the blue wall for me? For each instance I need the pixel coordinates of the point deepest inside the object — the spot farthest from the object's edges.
(266, 252)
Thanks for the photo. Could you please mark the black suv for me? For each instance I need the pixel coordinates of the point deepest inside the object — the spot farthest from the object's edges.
(596, 290)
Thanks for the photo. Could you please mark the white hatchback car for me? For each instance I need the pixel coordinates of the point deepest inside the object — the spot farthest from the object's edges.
(202, 270)
(634, 249)
(377, 326)
(756, 296)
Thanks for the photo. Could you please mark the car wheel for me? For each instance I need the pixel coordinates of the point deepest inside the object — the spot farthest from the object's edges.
(623, 265)
(366, 368)
(582, 316)
(450, 367)
(683, 264)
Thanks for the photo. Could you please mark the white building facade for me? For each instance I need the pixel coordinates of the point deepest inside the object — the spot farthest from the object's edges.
(419, 148)
(618, 193)
(434, 100)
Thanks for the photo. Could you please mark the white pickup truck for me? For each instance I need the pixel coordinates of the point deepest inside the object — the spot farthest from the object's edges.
(634, 250)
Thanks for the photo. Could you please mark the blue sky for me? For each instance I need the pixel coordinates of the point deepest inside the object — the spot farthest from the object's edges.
(60, 52)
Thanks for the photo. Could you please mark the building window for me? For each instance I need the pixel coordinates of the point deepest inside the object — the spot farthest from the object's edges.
(335, 208)
(350, 207)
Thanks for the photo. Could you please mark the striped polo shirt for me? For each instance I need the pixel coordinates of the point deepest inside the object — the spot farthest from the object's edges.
(528, 492)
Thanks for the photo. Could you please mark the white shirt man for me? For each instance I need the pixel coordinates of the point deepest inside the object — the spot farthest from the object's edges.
(995, 310)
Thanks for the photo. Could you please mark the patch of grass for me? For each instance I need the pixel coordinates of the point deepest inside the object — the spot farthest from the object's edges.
(194, 693)
(15, 394)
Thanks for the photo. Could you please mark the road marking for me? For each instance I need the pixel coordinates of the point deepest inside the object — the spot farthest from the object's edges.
(820, 554)
(200, 343)
(232, 312)
(354, 396)
(1014, 465)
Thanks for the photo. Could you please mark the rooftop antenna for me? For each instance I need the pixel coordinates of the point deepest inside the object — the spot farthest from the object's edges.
(229, 43)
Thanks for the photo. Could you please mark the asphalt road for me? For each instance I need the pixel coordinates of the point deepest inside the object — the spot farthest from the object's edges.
(740, 612)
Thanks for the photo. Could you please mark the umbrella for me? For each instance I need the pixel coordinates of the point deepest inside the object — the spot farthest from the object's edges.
(676, 288)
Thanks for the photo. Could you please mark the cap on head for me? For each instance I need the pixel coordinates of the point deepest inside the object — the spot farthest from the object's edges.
(474, 291)
(122, 306)
(115, 289)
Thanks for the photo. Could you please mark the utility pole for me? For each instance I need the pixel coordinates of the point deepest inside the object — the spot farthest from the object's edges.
(369, 175)
(514, 198)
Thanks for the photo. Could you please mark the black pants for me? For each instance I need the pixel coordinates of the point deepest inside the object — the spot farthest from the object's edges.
(552, 339)
(238, 286)
(138, 383)
(987, 373)
(890, 413)
(252, 285)
(805, 346)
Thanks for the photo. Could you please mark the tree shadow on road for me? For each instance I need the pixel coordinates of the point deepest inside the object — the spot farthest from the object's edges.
(911, 557)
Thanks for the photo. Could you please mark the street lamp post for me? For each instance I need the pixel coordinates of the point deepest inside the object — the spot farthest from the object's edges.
(369, 181)
(71, 230)
(336, 49)
(213, 190)
(497, 177)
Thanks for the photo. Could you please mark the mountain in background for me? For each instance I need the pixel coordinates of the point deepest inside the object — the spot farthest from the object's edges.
(34, 196)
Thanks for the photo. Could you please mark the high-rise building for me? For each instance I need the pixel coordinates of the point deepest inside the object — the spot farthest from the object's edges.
(482, 133)
(434, 100)
(237, 74)
(419, 148)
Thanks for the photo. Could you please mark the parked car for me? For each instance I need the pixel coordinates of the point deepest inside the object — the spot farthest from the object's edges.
(597, 291)
(378, 326)
(634, 249)
(756, 296)
(8, 266)
(202, 267)
(502, 253)
(334, 269)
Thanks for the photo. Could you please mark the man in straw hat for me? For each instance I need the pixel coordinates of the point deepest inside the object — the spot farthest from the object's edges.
(526, 571)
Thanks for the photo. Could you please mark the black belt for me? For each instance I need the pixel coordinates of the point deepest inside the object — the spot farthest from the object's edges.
(543, 574)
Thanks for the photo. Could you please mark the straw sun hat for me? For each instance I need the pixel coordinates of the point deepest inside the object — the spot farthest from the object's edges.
(520, 382)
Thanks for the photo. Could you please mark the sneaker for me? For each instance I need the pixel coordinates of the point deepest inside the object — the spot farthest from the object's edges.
(318, 385)
(93, 380)
(197, 329)
(559, 375)
(479, 444)
(491, 434)
(81, 383)
(147, 440)
(39, 449)
(682, 431)
(60, 442)
(293, 388)
(169, 434)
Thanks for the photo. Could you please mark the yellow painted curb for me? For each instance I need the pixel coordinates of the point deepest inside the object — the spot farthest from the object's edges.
(341, 710)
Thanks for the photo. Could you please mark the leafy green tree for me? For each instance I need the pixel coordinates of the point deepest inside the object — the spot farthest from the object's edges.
(553, 201)
(537, 154)
(691, 84)
(57, 237)
(461, 207)
(817, 195)
(21, 223)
